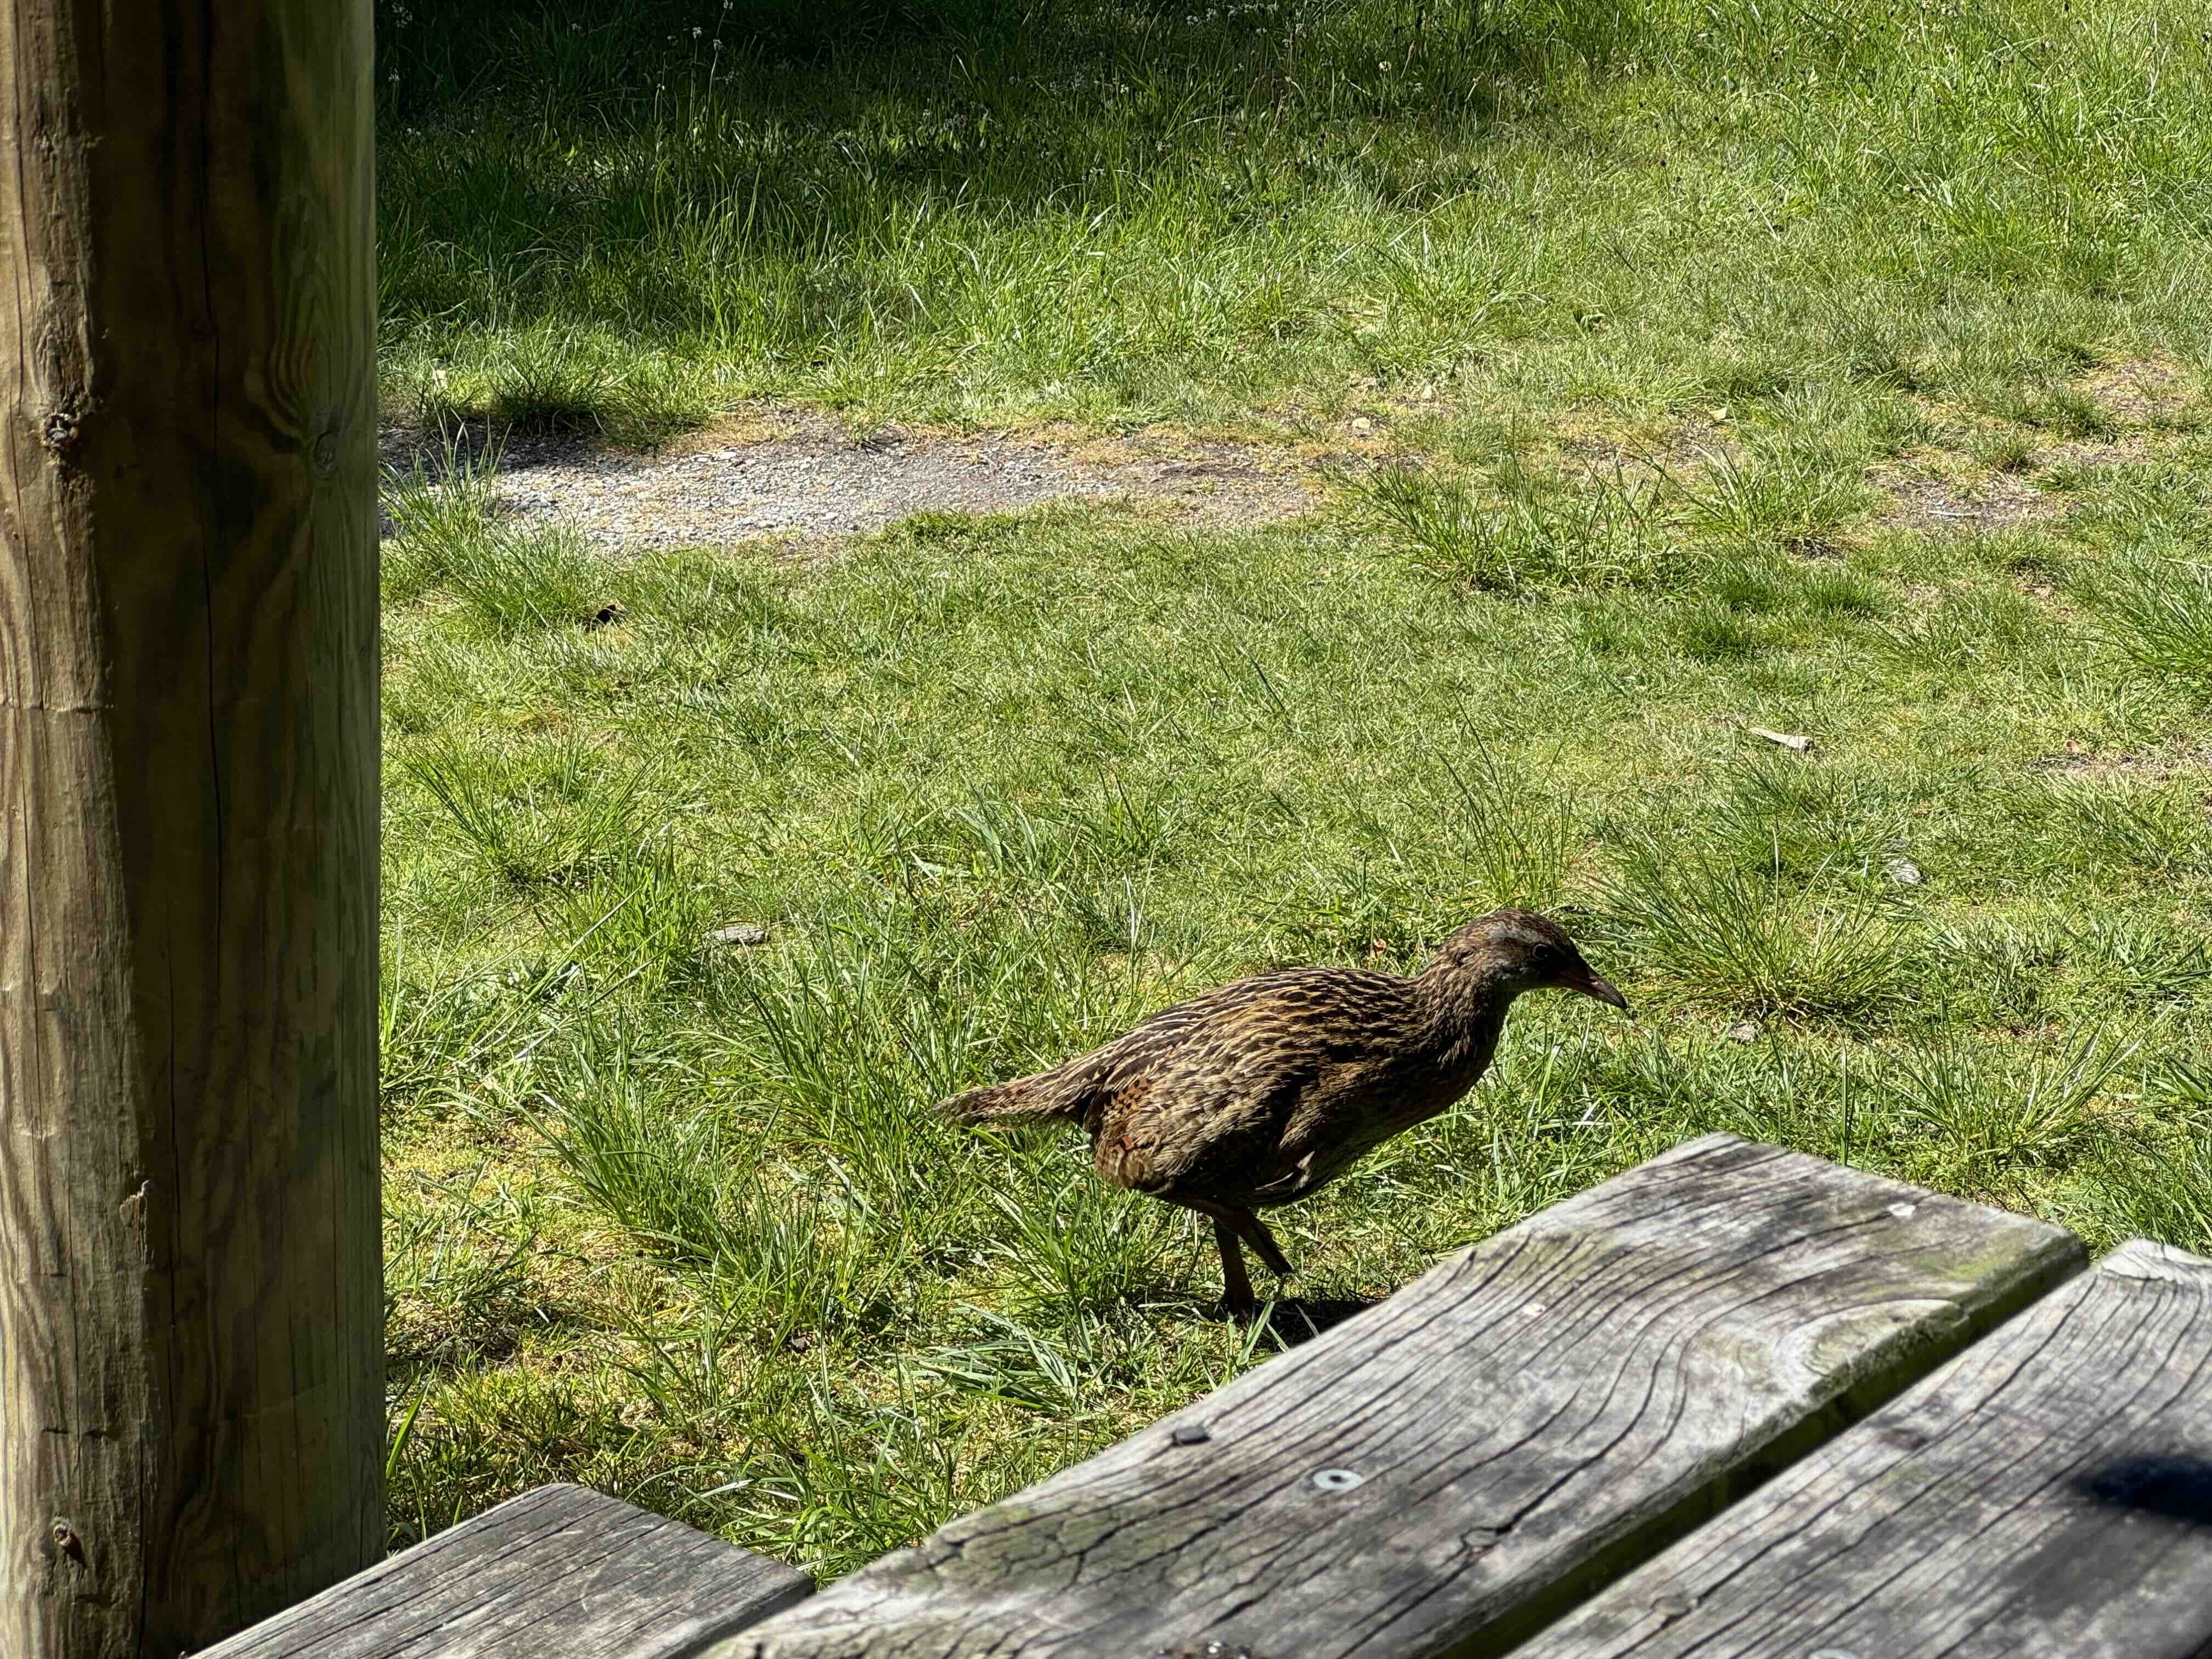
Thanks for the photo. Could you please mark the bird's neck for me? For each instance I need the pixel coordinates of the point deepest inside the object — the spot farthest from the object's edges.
(1465, 1009)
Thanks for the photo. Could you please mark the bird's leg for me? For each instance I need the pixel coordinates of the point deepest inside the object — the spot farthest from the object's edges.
(1236, 1282)
(1256, 1235)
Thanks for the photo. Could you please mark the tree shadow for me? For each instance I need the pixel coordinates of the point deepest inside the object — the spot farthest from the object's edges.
(547, 143)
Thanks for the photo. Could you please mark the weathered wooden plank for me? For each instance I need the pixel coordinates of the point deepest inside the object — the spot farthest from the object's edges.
(1452, 1469)
(557, 1573)
(2046, 1495)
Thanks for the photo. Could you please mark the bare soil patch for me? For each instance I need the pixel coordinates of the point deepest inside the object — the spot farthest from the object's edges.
(798, 475)
(2084, 452)
(2078, 760)
(2140, 391)
(1940, 506)
(1684, 450)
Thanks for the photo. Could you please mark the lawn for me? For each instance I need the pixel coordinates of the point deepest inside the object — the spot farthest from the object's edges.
(1677, 372)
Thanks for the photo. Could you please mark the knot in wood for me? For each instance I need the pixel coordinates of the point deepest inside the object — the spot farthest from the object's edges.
(58, 431)
(326, 453)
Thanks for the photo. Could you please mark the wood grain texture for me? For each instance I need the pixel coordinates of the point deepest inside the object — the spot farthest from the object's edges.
(1526, 1422)
(191, 1413)
(2046, 1495)
(557, 1573)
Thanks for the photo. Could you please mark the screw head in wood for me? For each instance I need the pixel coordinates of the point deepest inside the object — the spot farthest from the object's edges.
(1338, 1479)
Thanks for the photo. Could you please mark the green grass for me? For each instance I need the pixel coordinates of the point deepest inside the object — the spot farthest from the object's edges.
(2161, 611)
(1687, 290)
(985, 212)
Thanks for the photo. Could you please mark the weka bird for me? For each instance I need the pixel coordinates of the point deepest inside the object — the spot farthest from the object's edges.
(1263, 1091)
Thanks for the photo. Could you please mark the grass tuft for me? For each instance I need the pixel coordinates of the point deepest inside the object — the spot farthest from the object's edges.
(1991, 1116)
(528, 820)
(1523, 530)
(2158, 614)
(1518, 841)
(1777, 495)
(1721, 938)
(439, 521)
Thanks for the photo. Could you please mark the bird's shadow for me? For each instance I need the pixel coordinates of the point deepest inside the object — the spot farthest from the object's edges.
(1292, 1320)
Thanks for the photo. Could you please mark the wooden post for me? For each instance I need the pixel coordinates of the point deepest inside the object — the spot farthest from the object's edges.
(192, 1413)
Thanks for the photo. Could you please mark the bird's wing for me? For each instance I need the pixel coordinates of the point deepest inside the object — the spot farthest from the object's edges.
(1198, 1097)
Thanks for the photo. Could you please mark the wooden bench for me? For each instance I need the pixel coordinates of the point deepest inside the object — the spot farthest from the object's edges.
(2048, 1492)
(1734, 1401)
(557, 1573)
(1502, 1437)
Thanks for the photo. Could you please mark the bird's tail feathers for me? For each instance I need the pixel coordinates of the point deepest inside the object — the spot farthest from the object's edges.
(1019, 1102)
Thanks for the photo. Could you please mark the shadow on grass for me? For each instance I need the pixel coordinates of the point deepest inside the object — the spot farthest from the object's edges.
(805, 123)
(793, 181)
(1297, 1320)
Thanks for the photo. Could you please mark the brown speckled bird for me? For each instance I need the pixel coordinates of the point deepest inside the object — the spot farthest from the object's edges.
(1263, 1091)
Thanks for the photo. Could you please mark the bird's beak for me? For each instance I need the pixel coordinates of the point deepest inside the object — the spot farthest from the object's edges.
(1585, 979)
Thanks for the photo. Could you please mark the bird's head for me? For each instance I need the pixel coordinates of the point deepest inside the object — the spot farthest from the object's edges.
(1511, 952)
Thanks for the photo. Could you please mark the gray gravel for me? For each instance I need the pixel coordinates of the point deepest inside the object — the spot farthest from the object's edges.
(812, 483)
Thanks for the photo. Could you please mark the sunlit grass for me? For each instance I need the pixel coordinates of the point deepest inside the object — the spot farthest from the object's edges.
(983, 808)
(1647, 309)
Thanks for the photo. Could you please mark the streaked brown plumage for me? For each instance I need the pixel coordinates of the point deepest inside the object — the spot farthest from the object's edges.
(1263, 1091)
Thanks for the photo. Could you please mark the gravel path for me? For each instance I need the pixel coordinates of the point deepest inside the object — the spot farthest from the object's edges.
(807, 479)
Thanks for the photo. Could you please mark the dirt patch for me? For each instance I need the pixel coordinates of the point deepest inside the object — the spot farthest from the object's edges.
(2140, 391)
(2082, 454)
(2078, 760)
(1684, 451)
(799, 474)
(1941, 506)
